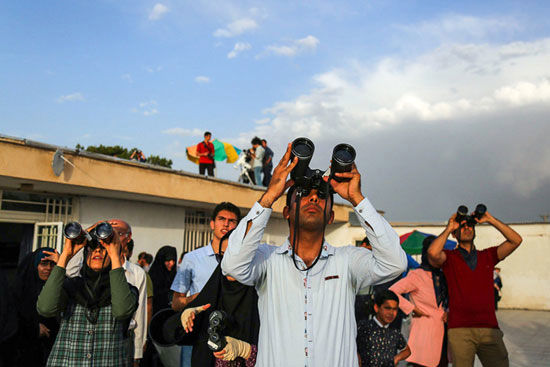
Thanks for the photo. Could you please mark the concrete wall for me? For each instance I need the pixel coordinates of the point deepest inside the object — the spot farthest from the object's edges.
(153, 225)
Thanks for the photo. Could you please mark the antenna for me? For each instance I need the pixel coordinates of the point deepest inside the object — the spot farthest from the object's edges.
(58, 163)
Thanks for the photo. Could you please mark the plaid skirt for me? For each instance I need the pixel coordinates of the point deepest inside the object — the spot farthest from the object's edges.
(82, 343)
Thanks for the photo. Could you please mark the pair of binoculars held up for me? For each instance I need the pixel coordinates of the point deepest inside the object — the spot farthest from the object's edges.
(305, 178)
(74, 232)
(462, 214)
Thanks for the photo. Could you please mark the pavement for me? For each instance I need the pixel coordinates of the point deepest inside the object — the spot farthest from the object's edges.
(526, 336)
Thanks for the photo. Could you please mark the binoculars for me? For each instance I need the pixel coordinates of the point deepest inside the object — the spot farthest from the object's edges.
(462, 214)
(74, 232)
(216, 324)
(306, 179)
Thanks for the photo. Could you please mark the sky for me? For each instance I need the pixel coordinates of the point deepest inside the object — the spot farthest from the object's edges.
(446, 103)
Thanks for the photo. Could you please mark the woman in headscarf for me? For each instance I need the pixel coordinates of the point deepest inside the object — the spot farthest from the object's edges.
(162, 273)
(96, 307)
(429, 300)
(36, 333)
(239, 304)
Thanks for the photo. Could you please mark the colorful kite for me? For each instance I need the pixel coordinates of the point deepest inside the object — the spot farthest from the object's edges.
(222, 152)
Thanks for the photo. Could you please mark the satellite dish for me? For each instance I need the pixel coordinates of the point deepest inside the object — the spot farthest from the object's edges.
(58, 164)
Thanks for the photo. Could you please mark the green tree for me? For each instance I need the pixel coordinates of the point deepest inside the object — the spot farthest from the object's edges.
(124, 153)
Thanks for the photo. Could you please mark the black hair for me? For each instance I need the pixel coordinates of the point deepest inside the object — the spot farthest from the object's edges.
(264, 141)
(256, 140)
(365, 240)
(230, 207)
(130, 246)
(182, 255)
(291, 190)
(207, 133)
(148, 258)
(425, 246)
(385, 295)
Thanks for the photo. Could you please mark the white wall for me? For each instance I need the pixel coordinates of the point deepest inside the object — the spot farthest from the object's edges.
(153, 225)
(524, 273)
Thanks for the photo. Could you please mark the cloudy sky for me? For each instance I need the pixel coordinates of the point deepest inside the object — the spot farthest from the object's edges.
(446, 103)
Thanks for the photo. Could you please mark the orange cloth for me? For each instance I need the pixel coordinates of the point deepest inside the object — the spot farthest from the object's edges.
(426, 337)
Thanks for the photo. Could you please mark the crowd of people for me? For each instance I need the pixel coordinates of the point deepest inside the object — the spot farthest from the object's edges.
(239, 302)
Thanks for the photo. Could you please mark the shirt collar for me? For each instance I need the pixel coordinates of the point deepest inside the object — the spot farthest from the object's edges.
(287, 248)
(379, 323)
(210, 250)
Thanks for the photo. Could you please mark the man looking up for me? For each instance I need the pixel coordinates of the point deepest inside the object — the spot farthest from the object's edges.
(472, 323)
(205, 150)
(307, 315)
(197, 266)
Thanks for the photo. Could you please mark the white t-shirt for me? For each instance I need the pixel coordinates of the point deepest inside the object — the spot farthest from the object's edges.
(259, 153)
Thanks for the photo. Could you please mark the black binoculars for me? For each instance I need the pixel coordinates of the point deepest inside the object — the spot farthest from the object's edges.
(462, 214)
(216, 324)
(306, 178)
(74, 232)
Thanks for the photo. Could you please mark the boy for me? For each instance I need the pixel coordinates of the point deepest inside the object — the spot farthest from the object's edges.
(377, 344)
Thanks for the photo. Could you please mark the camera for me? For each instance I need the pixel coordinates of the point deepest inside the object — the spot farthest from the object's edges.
(217, 322)
(306, 179)
(462, 214)
(103, 231)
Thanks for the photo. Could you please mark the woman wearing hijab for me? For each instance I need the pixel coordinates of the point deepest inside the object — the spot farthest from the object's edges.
(36, 333)
(162, 273)
(97, 307)
(428, 293)
(239, 302)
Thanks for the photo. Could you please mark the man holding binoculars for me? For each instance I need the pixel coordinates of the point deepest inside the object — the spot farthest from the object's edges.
(306, 287)
(472, 323)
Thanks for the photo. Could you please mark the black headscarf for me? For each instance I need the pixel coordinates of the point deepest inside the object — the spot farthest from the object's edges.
(439, 281)
(92, 289)
(28, 285)
(162, 278)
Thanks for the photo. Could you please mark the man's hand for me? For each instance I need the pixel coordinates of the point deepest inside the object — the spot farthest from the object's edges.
(234, 348)
(278, 183)
(350, 189)
(188, 316)
(452, 224)
(485, 218)
(43, 331)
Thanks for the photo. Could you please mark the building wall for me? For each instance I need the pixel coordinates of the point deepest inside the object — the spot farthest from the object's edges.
(153, 225)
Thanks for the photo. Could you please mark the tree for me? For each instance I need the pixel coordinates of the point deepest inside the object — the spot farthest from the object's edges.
(124, 153)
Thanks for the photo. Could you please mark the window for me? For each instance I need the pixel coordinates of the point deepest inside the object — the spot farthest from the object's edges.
(42, 207)
(197, 232)
(48, 235)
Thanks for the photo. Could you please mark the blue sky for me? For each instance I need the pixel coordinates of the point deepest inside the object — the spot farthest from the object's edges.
(446, 102)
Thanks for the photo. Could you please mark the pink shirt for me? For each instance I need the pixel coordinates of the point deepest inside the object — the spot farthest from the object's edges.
(426, 337)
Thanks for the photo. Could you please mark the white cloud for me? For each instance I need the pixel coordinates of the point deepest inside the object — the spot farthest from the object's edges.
(308, 43)
(458, 26)
(238, 48)
(471, 88)
(147, 108)
(153, 69)
(158, 11)
(127, 77)
(73, 97)
(183, 132)
(201, 79)
(236, 28)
